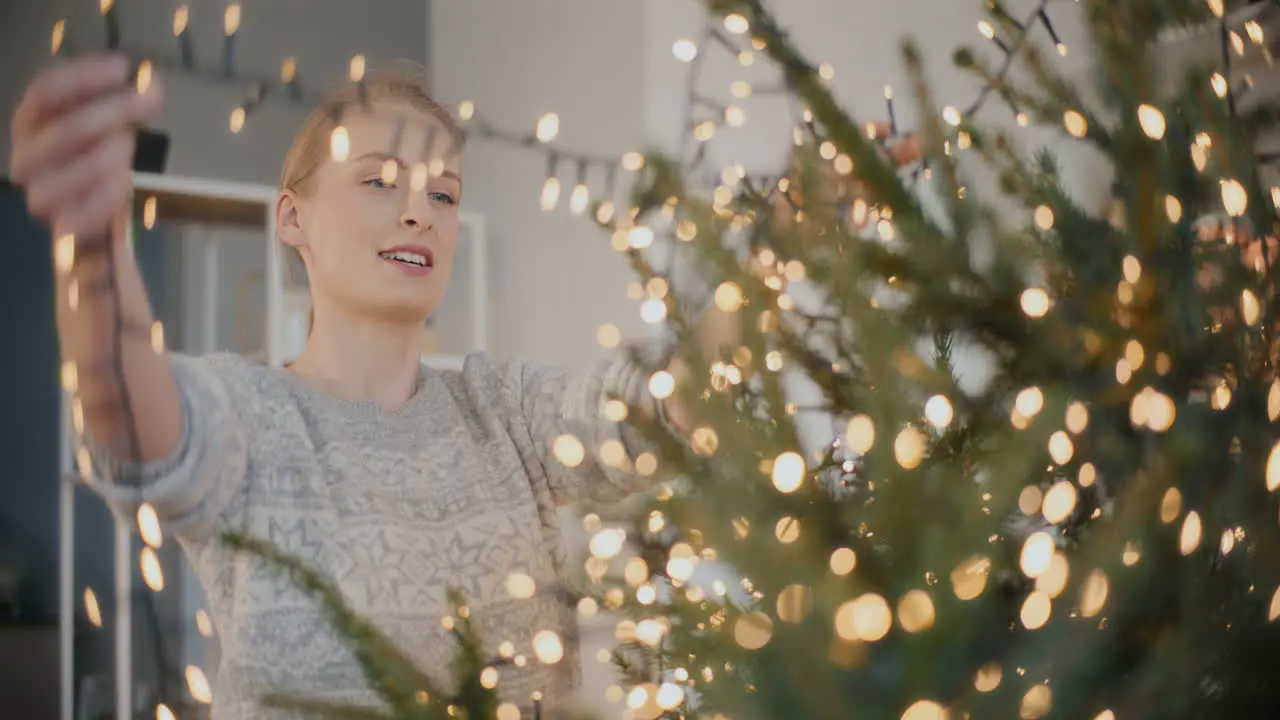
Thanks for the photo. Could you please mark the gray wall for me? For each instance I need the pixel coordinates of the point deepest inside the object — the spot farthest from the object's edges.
(322, 34)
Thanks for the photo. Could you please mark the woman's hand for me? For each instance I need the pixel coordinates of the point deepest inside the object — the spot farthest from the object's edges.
(73, 142)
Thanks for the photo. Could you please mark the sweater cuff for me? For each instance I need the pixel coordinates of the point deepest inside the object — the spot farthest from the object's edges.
(124, 474)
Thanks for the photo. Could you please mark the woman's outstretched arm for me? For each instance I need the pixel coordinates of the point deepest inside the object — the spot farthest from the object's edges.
(147, 421)
(174, 440)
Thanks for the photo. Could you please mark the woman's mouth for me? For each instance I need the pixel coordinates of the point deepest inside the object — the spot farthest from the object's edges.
(412, 260)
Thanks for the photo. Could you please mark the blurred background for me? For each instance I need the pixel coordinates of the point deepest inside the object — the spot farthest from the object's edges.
(617, 77)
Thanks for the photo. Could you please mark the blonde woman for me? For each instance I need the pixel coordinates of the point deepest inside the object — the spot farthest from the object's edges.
(393, 479)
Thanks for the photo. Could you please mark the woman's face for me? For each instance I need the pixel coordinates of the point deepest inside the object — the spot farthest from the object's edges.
(377, 230)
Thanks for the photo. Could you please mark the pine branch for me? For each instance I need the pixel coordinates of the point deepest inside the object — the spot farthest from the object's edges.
(390, 673)
(307, 707)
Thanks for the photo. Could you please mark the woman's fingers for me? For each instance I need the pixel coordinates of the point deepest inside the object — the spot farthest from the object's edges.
(909, 150)
(62, 188)
(64, 84)
(66, 136)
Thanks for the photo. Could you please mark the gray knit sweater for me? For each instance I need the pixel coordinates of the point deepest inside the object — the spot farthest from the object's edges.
(458, 487)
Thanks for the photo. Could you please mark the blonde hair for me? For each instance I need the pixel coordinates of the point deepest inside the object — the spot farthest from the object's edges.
(399, 81)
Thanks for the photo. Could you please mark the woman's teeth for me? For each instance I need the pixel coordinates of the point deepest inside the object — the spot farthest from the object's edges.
(406, 257)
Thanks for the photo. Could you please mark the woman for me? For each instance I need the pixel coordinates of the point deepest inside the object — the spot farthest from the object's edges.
(393, 479)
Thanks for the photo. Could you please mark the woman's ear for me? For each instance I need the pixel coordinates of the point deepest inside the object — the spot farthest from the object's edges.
(289, 220)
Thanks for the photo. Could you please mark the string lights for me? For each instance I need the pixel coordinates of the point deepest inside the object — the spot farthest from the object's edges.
(865, 619)
(181, 20)
(230, 26)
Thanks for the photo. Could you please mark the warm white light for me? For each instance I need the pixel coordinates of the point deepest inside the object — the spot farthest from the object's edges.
(231, 19)
(736, 23)
(152, 574)
(662, 384)
(520, 586)
(1035, 302)
(356, 68)
(653, 311)
(548, 127)
(607, 543)
(550, 194)
(339, 144)
(198, 684)
(1075, 123)
(146, 74)
(1152, 121)
(1037, 553)
(788, 472)
(1044, 217)
(728, 296)
(149, 525)
(91, 609)
(909, 447)
(925, 710)
(579, 199)
(938, 411)
(1219, 84)
(685, 50)
(568, 450)
(204, 624)
(860, 434)
(1234, 198)
(547, 647)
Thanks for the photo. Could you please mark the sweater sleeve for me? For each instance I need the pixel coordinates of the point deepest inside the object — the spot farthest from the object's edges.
(583, 455)
(191, 487)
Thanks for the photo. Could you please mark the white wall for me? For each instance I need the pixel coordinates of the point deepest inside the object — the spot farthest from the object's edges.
(554, 276)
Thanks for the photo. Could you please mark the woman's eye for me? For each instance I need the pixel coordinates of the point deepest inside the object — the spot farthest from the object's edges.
(444, 197)
(378, 183)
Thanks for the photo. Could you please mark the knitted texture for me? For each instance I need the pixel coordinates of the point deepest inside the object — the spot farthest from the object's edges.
(457, 487)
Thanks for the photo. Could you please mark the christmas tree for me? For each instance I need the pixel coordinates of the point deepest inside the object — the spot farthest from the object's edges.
(1090, 531)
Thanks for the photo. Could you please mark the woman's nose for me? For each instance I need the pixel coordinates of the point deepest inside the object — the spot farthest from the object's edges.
(417, 212)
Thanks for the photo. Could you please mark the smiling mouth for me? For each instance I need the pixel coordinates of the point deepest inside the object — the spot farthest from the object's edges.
(406, 257)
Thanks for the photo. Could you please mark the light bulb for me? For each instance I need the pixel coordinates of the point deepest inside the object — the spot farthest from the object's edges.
(579, 199)
(548, 127)
(1152, 121)
(550, 193)
(1075, 123)
(356, 68)
(231, 19)
(684, 50)
(788, 472)
(339, 144)
(1234, 198)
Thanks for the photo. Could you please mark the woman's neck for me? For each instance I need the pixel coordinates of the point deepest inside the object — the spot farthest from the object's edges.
(363, 359)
